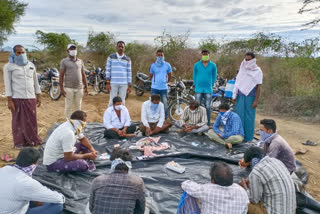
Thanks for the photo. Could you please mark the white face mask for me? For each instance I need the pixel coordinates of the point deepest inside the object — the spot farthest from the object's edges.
(73, 52)
(118, 107)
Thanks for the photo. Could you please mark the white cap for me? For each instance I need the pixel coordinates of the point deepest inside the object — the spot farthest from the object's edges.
(71, 45)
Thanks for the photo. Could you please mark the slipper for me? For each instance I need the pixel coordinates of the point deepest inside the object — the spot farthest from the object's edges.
(7, 158)
(301, 152)
(309, 143)
(228, 145)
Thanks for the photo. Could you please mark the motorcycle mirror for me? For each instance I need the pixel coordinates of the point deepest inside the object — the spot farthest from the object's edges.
(174, 69)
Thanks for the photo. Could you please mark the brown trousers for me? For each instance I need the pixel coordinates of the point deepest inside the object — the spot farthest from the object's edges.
(153, 126)
(257, 208)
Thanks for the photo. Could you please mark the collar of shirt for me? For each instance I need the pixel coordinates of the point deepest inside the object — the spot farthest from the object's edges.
(28, 170)
(118, 56)
(72, 59)
(269, 140)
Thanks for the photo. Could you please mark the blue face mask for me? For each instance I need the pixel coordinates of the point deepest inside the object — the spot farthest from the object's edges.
(154, 107)
(222, 113)
(21, 60)
(264, 135)
(160, 60)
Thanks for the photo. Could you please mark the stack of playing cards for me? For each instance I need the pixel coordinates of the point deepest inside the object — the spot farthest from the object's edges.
(175, 167)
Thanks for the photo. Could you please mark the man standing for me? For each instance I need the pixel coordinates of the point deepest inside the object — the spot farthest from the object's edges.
(23, 93)
(152, 117)
(118, 74)
(72, 80)
(160, 75)
(204, 77)
(246, 94)
(232, 127)
(270, 187)
(194, 119)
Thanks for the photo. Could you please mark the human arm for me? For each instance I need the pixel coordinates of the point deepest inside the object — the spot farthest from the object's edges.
(129, 76)
(216, 125)
(256, 100)
(140, 201)
(108, 74)
(61, 77)
(273, 150)
(7, 76)
(144, 116)
(193, 189)
(255, 188)
(194, 75)
(169, 71)
(85, 142)
(162, 115)
(37, 87)
(214, 74)
(84, 79)
(151, 72)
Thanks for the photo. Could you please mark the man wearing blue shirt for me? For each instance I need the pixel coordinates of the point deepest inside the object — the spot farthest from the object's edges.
(160, 74)
(232, 127)
(204, 77)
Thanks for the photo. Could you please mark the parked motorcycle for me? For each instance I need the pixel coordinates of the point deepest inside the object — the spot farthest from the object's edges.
(49, 82)
(222, 93)
(142, 83)
(93, 77)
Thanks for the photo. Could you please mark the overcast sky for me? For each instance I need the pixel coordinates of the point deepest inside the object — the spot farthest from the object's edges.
(142, 20)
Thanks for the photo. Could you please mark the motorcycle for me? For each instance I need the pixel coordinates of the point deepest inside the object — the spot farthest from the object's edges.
(93, 77)
(49, 82)
(220, 96)
(142, 83)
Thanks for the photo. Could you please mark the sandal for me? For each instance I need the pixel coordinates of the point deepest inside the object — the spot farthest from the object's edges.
(309, 143)
(7, 158)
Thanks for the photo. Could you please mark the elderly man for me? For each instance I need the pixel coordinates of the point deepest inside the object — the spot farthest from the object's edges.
(194, 119)
(232, 127)
(117, 121)
(72, 80)
(246, 93)
(118, 74)
(23, 93)
(270, 187)
(275, 146)
(118, 192)
(221, 195)
(153, 117)
(204, 77)
(23, 194)
(160, 74)
(63, 152)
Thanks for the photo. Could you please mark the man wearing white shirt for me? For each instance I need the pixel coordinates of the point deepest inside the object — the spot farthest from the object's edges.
(153, 117)
(117, 121)
(21, 193)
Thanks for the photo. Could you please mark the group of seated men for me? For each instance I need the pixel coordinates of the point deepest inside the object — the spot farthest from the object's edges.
(269, 187)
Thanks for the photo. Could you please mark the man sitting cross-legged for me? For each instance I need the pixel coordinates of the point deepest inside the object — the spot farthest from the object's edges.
(194, 119)
(232, 125)
(64, 153)
(153, 117)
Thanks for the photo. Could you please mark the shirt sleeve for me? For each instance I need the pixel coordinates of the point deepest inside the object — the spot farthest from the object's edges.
(108, 68)
(36, 83)
(107, 120)
(204, 119)
(7, 76)
(214, 74)
(151, 70)
(255, 188)
(193, 189)
(141, 201)
(62, 65)
(92, 196)
(216, 125)
(273, 150)
(162, 115)
(169, 69)
(144, 116)
(129, 72)
(127, 118)
(194, 74)
(68, 142)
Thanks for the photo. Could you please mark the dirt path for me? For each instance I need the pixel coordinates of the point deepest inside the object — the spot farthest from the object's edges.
(51, 112)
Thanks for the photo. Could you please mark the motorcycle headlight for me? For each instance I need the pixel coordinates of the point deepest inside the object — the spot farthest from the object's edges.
(178, 88)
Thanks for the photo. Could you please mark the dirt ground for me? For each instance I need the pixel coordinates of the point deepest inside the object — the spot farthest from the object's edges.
(51, 112)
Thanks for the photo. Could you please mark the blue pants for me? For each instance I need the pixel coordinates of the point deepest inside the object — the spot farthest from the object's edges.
(188, 205)
(207, 101)
(247, 114)
(163, 94)
(46, 208)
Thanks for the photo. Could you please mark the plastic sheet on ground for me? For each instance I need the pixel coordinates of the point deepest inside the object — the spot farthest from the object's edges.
(163, 186)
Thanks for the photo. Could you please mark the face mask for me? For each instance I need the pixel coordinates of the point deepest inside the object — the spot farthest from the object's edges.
(264, 135)
(21, 60)
(118, 107)
(222, 113)
(73, 52)
(205, 57)
(160, 60)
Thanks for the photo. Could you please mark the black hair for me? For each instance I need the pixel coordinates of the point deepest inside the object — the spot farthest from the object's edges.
(78, 115)
(27, 157)
(205, 51)
(221, 174)
(121, 42)
(160, 51)
(251, 54)
(194, 104)
(155, 97)
(269, 124)
(123, 154)
(224, 106)
(17, 46)
(253, 152)
(116, 99)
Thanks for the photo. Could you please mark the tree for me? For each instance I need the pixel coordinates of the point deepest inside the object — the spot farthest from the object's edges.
(210, 44)
(10, 12)
(311, 6)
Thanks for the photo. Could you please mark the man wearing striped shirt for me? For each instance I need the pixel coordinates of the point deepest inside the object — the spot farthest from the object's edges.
(194, 119)
(118, 74)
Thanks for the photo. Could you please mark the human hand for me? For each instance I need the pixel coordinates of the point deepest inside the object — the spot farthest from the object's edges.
(92, 155)
(219, 135)
(242, 163)
(234, 101)
(11, 105)
(63, 93)
(129, 90)
(254, 104)
(244, 183)
(38, 100)
(86, 90)
(148, 131)
(108, 87)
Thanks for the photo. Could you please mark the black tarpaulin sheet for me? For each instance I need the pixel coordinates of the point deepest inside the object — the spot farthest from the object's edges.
(162, 185)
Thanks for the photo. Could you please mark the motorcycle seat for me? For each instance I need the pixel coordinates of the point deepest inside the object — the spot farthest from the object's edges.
(188, 82)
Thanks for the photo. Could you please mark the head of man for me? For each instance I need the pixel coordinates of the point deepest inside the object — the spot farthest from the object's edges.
(155, 99)
(72, 50)
(252, 156)
(193, 106)
(268, 126)
(28, 156)
(205, 55)
(124, 155)
(18, 50)
(221, 174)
(117, 103)
(224, 107)
(79, 115)
(249, 56)
(120, 47)
(160, 53)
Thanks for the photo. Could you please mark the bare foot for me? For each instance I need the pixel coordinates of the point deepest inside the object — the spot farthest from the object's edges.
(129, 135)
(229, 145)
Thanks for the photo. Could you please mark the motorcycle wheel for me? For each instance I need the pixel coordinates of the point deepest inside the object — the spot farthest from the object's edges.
(173, 111)
(54, 92)
(139, 88)
(102, 87)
